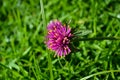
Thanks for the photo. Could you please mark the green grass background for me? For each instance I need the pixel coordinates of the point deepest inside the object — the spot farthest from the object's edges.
(24, 56)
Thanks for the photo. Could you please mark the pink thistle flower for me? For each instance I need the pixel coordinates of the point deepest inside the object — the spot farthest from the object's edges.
(58, 38)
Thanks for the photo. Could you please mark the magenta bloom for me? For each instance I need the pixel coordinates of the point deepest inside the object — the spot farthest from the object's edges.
(58, 38)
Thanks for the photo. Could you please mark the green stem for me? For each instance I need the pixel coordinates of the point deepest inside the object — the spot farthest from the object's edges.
(103, 72)
(60, 63)
(44, 25)
(99, 38)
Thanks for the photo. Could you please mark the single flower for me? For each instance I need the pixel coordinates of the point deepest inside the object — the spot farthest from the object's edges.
(58, 38)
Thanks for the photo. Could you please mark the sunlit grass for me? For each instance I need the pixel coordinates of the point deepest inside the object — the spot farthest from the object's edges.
(23, 53)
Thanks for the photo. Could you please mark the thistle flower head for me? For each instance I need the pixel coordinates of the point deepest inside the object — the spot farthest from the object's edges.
(58, 38)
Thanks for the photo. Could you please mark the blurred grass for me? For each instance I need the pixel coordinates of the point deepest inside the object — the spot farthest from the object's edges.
(23, 53)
